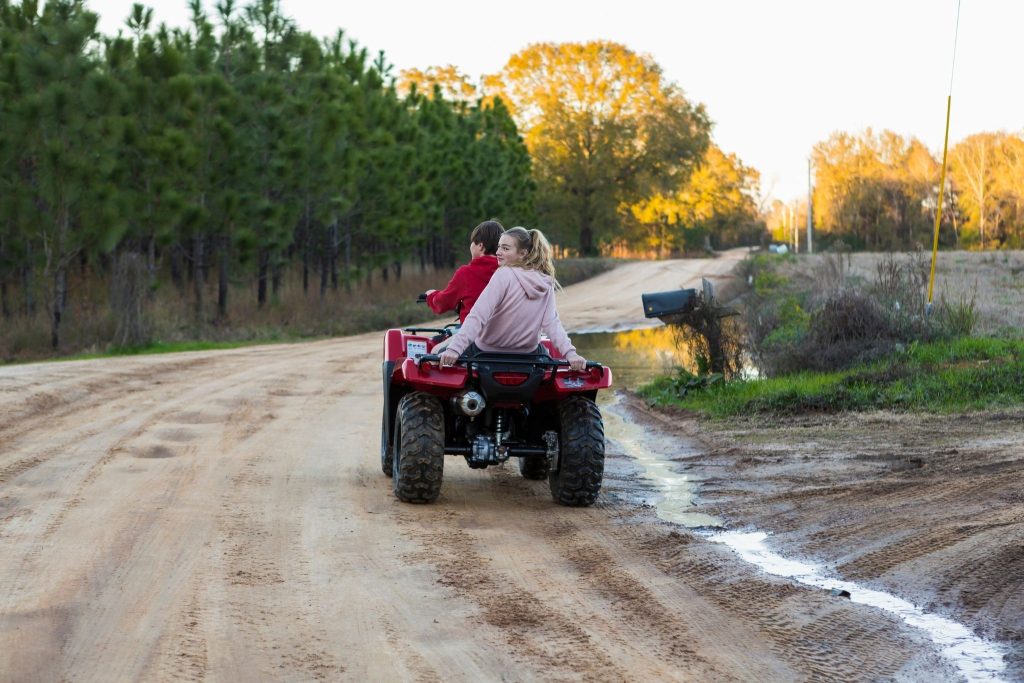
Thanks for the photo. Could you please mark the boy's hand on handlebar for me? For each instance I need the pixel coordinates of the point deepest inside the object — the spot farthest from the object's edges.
(429, 292)
(448, 358)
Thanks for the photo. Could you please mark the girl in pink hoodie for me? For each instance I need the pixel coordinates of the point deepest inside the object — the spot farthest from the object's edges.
(517, 304)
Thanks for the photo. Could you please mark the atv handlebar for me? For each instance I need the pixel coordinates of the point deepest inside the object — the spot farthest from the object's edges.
(551, 362)
(432, 330)
(448, 330)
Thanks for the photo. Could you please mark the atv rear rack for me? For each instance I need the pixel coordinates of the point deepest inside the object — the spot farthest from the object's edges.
(503, 360)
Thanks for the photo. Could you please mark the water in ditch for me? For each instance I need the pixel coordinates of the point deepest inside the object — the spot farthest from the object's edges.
(635, 356)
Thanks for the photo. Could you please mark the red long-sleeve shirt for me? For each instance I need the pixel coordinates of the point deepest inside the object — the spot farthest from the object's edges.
(466, 285)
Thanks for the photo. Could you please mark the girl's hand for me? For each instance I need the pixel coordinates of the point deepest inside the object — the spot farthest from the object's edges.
(577, 363)
(448, 358)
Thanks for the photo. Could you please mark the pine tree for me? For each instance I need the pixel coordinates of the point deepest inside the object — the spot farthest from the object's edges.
(63, 117)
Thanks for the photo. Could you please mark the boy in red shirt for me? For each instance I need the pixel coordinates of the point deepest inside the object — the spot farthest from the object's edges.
(469, 280)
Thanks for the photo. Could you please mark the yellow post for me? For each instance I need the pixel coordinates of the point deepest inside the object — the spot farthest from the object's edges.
(938, 209)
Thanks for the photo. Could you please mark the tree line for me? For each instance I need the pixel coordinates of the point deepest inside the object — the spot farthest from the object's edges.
(220, 155)
(623, 160)
(879, 191)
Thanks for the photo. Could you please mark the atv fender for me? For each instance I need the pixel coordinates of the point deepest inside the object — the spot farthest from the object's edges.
(583, 381)
(431, 375)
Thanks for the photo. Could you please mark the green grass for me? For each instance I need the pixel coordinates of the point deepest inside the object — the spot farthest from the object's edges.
(175, 347)
(941, 377)
(162, 347)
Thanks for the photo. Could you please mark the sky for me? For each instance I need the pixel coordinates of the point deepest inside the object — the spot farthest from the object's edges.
(776, 76)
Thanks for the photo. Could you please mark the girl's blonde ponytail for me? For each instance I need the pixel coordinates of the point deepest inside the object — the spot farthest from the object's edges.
(540, 257)
(539, 254)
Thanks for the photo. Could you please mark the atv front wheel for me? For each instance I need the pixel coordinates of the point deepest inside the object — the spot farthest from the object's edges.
(418, 450)
(533, 467)
(576, 480)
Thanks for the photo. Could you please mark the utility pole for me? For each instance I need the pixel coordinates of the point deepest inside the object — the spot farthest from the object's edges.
(810, 248)
(796, 228)
(789, 227)
(661, 249)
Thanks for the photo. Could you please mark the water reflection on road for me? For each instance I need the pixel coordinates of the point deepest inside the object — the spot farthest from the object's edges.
(635, 356)
(659, 458)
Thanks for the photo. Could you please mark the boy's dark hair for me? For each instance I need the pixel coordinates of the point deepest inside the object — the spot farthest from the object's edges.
(488, 233)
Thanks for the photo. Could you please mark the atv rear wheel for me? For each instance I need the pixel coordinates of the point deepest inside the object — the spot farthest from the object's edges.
(387, 460)
(418, 449)
(533, 467)
(576, 480)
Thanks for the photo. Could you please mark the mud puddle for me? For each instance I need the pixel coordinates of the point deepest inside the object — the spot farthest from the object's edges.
(677, 483)
(677, 489)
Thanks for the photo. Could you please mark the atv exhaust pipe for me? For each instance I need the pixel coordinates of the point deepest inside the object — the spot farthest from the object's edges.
(469, 403)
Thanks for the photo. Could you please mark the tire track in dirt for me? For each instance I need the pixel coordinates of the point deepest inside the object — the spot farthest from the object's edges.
(126, 547)
(640, 610)
(22, 415)
(261, 568)
(648, 625)
(544, 639)
(106, 397)
(621, 604)
(139, 423)
(102, 408)
(819, 636)
(923, 507)
(981, 588)
(825, 638)
(184, 646)
(100, 577)
(415, 666)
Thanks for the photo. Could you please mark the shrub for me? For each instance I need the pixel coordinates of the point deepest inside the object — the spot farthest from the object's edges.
(958, 318)
(768, 282)
(831, 321)
(682, 383)
(850, 316)
(572, 270)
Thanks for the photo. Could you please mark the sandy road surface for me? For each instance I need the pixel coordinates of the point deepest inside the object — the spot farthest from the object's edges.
(222, 516)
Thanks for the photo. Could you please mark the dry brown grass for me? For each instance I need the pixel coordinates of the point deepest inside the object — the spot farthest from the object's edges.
(994, 279)
(831, 310)
(369, 304)
(90, 324)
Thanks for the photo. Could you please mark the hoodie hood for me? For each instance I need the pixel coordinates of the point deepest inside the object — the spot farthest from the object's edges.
(535, 283)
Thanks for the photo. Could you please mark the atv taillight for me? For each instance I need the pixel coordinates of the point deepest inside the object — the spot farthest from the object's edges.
(510, 379)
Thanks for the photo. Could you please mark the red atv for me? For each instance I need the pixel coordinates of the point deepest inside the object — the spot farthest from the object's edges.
(488, 408)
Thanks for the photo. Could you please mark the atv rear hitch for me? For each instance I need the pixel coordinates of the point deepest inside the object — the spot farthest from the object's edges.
(512, 452)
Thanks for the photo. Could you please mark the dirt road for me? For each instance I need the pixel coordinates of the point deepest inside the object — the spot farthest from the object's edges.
(222, 516)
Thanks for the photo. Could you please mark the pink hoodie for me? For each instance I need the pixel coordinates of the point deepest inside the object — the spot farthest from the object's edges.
(510, 314)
